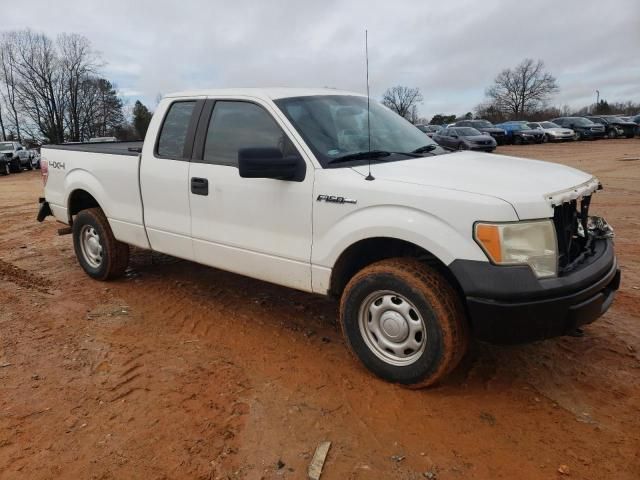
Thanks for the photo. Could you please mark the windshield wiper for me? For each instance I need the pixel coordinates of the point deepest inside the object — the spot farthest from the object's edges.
(359, 156)
(425, 149)
(377, 154)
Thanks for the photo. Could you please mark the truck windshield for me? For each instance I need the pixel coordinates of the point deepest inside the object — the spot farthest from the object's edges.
(336, 126)
(6, 147)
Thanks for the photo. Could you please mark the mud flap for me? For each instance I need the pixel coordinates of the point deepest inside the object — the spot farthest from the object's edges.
(45, 210)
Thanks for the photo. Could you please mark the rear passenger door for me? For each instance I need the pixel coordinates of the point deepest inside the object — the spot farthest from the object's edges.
(253, 226)
(164, 177)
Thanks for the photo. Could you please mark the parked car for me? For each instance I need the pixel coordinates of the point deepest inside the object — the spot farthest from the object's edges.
(269, 183)
(485, 126)
(585, 129)
(553, 132)
(5, 165)
(35, 158)
(16, 156)
(465, 138)
(615, 126)
(430, 130)
(520, 132)
(636, 119)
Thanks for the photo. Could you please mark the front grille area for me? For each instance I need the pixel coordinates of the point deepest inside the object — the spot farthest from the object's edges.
(574, 242)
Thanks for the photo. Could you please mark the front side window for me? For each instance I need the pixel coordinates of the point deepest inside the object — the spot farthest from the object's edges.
(236, 125)
(173, 134)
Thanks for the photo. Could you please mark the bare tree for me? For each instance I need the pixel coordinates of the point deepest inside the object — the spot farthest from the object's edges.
(8, 76)
(77, 62)
(403, 100)
(524, 88)
(2, 131)
(41, 92)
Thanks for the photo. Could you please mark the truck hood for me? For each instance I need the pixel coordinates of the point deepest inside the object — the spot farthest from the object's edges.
(532, 187)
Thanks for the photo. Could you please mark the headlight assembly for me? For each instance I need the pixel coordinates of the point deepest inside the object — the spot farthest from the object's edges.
(530, 243)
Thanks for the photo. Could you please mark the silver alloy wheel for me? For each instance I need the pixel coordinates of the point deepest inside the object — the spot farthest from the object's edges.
(90, 246)
(392, 328)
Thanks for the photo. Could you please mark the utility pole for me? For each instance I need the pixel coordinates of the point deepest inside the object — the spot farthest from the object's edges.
(597, 98)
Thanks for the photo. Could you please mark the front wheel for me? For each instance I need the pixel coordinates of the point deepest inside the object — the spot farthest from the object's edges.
(5, 169)
(404, 322)
(99, 253)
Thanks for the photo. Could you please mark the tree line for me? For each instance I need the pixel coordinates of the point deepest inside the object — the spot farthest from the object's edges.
(521, 92)
(51, 90)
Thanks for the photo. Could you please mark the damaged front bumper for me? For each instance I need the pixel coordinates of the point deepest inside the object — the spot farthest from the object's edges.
(508, 304)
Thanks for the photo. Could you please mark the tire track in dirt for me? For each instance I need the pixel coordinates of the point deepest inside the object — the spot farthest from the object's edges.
(23, 278)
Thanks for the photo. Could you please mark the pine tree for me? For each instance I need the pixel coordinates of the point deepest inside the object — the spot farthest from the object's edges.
(141, 119)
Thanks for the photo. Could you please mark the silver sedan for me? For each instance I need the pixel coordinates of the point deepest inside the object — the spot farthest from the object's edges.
(553, 132)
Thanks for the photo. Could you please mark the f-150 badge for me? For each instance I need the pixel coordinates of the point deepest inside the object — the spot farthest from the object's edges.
(335, 199)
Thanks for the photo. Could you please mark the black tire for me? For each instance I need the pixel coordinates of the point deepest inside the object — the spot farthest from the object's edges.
(438, 307)
(114, 255)
(29, 165)
(15, 166)
(611, 134)
(5, 169)
(517, 141)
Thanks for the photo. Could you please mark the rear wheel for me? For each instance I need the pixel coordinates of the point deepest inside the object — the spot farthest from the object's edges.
(99, 253)
(612, 133)
(404, 322)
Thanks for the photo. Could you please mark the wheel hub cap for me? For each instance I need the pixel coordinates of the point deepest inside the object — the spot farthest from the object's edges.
(392, 328)
(90, 246)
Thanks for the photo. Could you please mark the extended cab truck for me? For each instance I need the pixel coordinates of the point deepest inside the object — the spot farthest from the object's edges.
(424, 249)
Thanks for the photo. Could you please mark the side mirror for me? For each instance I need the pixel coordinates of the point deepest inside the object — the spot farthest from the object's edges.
(268, 162)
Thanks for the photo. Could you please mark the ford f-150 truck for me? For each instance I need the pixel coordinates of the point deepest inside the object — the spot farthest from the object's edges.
(313, 190)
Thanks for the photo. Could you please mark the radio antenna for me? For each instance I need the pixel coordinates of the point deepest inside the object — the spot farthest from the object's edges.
(366, 55)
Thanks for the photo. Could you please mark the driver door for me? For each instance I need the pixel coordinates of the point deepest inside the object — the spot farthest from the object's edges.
(259, 227)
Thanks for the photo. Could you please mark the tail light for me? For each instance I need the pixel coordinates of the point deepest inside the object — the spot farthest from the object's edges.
(44, 169)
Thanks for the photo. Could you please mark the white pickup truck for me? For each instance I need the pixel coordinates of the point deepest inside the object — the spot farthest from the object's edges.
(424, 247)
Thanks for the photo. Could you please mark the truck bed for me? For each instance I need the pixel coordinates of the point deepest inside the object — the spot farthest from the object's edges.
(112, 148)
(106, 171)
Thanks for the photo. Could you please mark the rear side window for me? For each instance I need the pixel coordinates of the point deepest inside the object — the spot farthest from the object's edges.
(173, 134)
(235, 125)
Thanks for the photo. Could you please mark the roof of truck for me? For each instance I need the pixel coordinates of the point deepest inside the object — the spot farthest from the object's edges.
(270, 93)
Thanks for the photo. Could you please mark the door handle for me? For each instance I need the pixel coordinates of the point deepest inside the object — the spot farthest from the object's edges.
(199, 186)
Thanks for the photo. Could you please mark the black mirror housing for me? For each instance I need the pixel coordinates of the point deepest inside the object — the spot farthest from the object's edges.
(268, 162)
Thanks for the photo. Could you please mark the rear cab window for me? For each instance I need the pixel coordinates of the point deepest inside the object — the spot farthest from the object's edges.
(172, 140)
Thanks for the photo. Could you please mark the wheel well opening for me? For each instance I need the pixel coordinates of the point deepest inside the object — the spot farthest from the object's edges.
(371, 250)
(80, 200)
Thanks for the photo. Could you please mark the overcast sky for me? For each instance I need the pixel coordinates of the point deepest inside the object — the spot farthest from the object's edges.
(450, 49)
